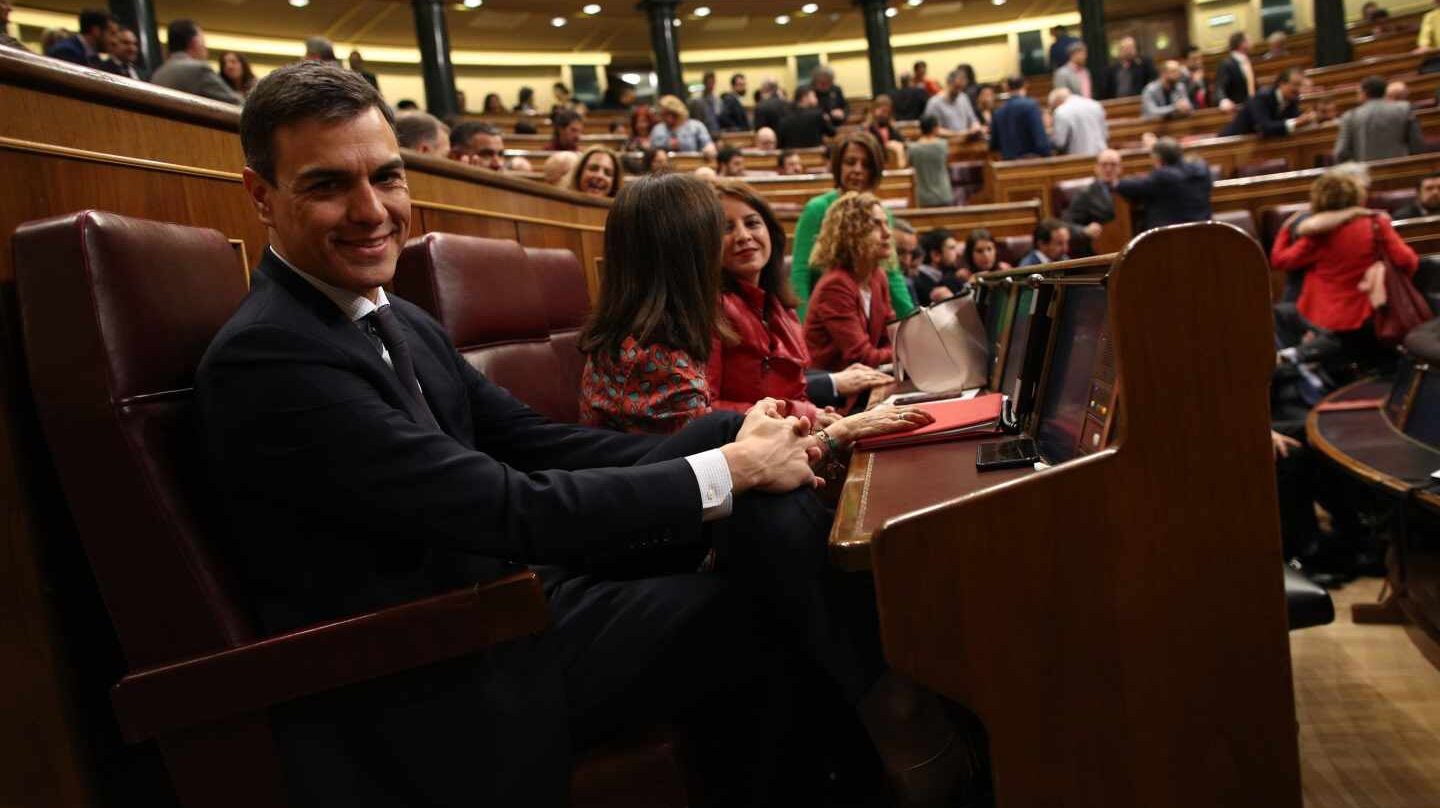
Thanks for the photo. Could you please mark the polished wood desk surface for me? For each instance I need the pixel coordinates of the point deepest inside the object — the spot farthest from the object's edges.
(1366, 444)
(890, 482)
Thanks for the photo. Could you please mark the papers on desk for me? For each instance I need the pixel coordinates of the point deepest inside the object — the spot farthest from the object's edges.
(959, 417)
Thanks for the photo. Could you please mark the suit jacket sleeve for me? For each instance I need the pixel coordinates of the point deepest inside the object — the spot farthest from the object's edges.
(1344, 142)
(1413, 136)
(820, 389)
(1037, 133)
(210, 85)
(291, 410)
(1225, 77)
(1290, 253)
(1136, 189)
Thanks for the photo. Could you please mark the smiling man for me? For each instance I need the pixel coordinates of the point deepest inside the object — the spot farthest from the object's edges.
(366, 464)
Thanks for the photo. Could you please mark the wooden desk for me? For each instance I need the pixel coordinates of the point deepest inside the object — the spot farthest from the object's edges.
(1121, 635)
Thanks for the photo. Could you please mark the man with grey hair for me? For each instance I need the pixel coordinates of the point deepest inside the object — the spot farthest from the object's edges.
(1129, 73)
(1177, 191)
(1080, 125)
(828, 94)
(1167, 96)
(952, 108)
(1074, 75)
(422, 132)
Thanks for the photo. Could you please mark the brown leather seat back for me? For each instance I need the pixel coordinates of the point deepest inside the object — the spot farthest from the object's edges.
(1391, 201)
(567, 306)
(1064, 192)
(116, 314)
(489, 301)
(1271, 218)
(1241, 218)
(1011, 249)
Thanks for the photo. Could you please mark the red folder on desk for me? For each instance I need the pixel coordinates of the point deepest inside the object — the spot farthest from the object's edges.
(956, 418)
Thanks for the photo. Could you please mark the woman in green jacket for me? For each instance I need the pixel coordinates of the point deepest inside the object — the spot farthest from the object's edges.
(858, 163)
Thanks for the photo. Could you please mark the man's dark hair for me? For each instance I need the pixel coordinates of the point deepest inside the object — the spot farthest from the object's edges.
(734, 77)
(406, 105)
(524, 127)
(301, 92)
(95, 18)
(1015, 82)
(1046, 229)
(933, 241)
(1191, 50)
(565, 117)
(928, 124)
(415, 128)
(1167, 151)
(800, 92)
(1373, 87)
(460, 135)
(726, 154)
(780, 160)
(1379, 14)
(919, 65)
(709, 76)
(1433, 175)
(1236, 38)
(179, 34)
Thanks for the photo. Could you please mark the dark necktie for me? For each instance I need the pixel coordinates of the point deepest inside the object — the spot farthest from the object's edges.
(384, 324)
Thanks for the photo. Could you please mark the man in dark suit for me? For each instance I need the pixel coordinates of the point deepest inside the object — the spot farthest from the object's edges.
(733, 117)
(1129, 73)
(86, 47)
(187, 69)
(1177, 191)
(1094, 207)
(124, 56)
(1060, 47)
(1235, 77)
(1274, 111)
(770, 106)
(366, 464)
(1018, 128)
(1427, 200)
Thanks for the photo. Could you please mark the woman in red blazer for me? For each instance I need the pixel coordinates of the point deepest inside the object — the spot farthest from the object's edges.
(1338, 244)
(850, 305)
(763, 353)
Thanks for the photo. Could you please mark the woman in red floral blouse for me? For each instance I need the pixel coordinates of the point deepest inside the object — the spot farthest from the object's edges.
(658, 309)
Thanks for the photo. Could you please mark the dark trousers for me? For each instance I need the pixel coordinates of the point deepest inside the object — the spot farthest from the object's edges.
(713, 653)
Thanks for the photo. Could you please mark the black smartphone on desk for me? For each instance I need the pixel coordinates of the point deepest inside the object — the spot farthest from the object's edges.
(1006, 454)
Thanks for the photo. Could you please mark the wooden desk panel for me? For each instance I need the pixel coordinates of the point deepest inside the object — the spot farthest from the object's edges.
(1012, 219)
(1423, 235)
(1121, 634)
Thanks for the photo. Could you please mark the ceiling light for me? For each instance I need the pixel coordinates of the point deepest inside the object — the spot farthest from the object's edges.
(299, 3)
(913, 3)
(472, 3)
(890, 12)
(630, 78)
(675, 22)
(559, 22)
(810, 8)
(702, 11)
(592, 9)
(783, 19)
(998, 2)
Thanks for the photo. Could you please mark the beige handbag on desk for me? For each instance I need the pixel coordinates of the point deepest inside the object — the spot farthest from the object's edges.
(942, 346)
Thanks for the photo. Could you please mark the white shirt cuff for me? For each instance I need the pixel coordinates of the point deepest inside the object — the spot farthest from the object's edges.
(1290, 124)
(716, 487)
(834, 386)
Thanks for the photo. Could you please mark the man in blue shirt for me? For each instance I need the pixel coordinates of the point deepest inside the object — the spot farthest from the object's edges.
(1018, 129)
(1060, 50)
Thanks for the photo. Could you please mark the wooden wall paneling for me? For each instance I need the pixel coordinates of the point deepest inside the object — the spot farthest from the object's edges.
(1007, 219)
(1122, 637)
(433, 220)
(1257, 193)
(1423, 235)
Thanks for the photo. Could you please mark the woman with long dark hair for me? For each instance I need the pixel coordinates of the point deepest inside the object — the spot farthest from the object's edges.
(235, 70)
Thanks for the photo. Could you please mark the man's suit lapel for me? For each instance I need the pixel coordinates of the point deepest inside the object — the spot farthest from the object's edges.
(343, 333)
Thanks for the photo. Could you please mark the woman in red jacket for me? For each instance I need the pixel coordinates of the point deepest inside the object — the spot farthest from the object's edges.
(850, 306)
(762, 352)
(1338, 244)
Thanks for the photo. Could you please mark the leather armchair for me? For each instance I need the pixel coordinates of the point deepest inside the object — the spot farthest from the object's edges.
(497, 310)
(116, 313)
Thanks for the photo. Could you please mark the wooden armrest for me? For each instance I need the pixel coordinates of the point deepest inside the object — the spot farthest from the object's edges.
(327, 656)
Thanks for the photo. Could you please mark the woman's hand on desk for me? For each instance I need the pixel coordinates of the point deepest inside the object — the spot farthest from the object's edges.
(859, 377)
(878, 421)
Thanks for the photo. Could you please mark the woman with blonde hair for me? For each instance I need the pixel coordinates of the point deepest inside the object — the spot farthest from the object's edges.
(598, 173)
(1336, 246)
(677, 131)
(857, 163)
(851, 304)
